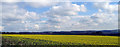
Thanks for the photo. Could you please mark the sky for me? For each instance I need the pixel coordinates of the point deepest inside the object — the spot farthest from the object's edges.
(58, 16)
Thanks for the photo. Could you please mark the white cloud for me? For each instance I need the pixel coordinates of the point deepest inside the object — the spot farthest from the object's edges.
(15, 18)
(107, 6)
(66, 9)
(57, 26)
(98, 0)
(1, 28)
(36, 26)
(41, 3)
(60, 17)
(11, 0)
(61, 0)
(12, 13)
(99, 10)
(83, 8)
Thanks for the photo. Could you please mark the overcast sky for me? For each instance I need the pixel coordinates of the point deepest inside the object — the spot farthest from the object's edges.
(58, 16)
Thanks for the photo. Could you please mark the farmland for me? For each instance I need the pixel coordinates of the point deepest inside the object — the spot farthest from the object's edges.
(35, 39)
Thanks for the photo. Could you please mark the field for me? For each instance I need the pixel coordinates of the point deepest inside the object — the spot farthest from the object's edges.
(31, 39)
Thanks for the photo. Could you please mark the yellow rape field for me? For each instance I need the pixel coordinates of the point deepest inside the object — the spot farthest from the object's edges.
(35, 39)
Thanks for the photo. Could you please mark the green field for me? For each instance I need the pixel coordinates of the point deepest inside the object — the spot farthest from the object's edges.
(31, 39)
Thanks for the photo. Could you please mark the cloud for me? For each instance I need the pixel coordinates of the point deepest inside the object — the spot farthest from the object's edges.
(66, 9)
(101, 19)
(107, 6)
(11, 0)
(12, 13)
(1, 28)
(96, 21)
(11, 16)
(41, 3)
(83, 8)
(36, 26)
(62, 0)
(15, 18)
(59, 17)
(98, 0)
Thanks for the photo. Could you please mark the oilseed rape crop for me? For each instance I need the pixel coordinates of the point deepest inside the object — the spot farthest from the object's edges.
(35, 39)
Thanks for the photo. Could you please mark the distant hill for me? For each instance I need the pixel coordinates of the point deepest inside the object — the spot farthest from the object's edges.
(89, 32)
